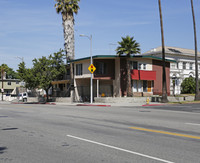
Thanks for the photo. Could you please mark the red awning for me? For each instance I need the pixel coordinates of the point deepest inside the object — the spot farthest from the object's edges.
(135, 74)
(143, 75)
(147, 75)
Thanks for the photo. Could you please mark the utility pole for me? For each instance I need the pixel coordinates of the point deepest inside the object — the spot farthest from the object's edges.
(2, 72)
(197, 95)
(164, 82)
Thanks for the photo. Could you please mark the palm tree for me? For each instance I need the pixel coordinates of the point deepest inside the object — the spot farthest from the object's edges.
(127, 47)
(197, 96)
(164, 83)
(68, 8)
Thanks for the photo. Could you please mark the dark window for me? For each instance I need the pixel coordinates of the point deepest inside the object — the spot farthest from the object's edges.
(79, 69)
(140, 66)
(68, 71)
(191, 66)
(9, 83)
(101, 68)
(61, 87)
(17, 82)
(144, 86)
(184, 65)
(144, 66)
(133, 65)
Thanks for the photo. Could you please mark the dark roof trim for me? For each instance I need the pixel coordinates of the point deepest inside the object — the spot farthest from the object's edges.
(96, 56)
(115, 56)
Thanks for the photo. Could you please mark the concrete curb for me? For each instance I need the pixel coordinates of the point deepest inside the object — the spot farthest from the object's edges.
(93, 105)
(45, 103)
(154, 104)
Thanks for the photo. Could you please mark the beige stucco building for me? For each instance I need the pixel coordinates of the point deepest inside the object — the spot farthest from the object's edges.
(109, 79)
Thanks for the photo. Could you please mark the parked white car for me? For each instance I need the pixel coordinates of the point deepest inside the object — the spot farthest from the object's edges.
(23, 96)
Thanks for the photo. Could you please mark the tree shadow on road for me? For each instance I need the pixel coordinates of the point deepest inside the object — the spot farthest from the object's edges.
(2, 149)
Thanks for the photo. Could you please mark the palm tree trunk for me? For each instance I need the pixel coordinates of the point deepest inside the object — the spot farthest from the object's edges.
(197, 96)
(68, 26)
(128, 81)
(164, 83)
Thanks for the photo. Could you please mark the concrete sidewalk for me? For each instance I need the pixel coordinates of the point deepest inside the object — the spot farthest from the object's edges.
(110, 104)
(88, 104)
(5, 102)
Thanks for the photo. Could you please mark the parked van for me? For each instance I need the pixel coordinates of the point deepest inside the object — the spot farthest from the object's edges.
(23, 96)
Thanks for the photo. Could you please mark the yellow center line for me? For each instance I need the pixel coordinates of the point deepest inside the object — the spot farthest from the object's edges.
(165, 132)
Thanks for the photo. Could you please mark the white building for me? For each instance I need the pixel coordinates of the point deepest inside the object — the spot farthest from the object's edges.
(183, 68)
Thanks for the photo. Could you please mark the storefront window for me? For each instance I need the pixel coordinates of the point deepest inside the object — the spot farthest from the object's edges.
(134, 85)
(144, 86)
(139, 86)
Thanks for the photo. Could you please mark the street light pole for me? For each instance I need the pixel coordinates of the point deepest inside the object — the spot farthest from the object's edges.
(91, 62)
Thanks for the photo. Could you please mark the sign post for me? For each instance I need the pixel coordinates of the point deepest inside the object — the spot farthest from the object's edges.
(91, 67)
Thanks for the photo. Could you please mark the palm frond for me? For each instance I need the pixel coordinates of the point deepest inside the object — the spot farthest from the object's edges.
(128, 46)
(67, 6)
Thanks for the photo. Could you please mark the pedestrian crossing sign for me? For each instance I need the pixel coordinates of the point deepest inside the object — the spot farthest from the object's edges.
(91, 68)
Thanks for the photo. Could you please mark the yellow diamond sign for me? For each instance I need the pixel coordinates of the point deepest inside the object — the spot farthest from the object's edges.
(91, 68)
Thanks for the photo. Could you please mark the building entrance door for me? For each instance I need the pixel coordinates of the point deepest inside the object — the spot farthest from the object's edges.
(148, 86)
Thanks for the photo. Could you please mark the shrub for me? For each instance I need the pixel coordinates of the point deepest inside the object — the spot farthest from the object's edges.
(188, 85)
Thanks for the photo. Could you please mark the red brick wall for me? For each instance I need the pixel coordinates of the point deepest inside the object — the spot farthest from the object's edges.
(157, 66)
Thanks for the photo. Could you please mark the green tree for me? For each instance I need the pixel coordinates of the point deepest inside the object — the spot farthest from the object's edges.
(57, 62)
(68, 8)
(188, 85)
(127, 47)
(44, 71)
(49, 69)
(27, 75)
(10, 73)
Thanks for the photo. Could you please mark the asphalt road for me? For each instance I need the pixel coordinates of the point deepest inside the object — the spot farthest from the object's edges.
(72, 134)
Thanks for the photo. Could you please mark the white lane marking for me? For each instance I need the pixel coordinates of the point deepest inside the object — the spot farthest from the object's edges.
(117, 148)
(195, 124)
